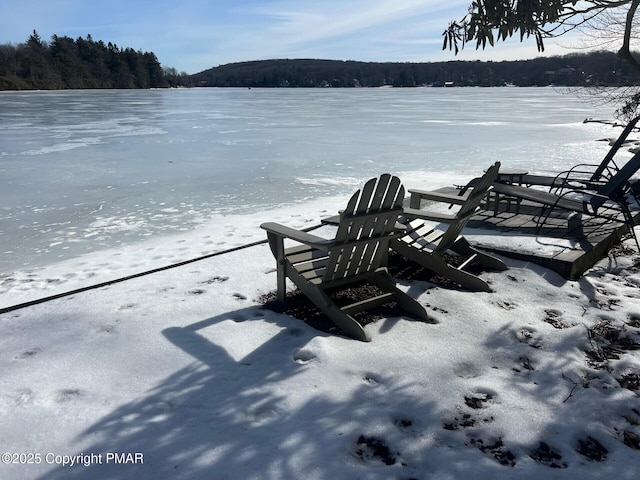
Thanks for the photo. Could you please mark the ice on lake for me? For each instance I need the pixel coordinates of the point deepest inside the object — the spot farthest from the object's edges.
(84, 171)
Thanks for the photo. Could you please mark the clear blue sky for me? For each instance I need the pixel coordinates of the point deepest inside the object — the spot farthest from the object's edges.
(194, 35)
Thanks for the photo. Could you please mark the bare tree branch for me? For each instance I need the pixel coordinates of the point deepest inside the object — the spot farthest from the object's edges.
(625, 51)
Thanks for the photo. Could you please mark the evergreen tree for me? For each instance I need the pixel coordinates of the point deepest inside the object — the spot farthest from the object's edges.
(82, 63)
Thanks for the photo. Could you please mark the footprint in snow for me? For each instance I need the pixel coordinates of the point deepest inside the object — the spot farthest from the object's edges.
(527, 335)
(525, 364)
(506, 304)
(592, 449)
(24, 396)
(466, 370)
(29, 353)
(264, 413)
(128, 306)
(215, 279)
(304, 355)
(373, 449)
(496, 449)
(464, 421)
(294, 332)
(107, 329)
(67, 394)
(548, 456)
(554, 318)
(372, 379)
(479, 398)
(403, 423)
(633, 320)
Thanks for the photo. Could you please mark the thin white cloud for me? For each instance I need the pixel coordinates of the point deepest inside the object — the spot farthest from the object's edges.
(368, 31)
(329, 20)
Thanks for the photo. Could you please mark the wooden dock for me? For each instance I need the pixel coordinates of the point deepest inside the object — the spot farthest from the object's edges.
(584, 240)
(589, 238)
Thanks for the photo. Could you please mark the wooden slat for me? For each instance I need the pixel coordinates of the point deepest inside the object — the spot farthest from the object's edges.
(368, 303)
(421, 243)
(423, 229)
(304, 255)
(422, 235)
(395, 194)
(371, 257)
(377, 196)
(310, 266)
(359, 230)
(374, 214)
(367, 253)
(314, 276)
(344, 257)
(367, 192)
(468, 261)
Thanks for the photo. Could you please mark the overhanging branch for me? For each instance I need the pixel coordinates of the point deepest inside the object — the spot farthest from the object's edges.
(542, 19)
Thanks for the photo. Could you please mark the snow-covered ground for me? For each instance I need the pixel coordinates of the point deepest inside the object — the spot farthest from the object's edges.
(183, 374)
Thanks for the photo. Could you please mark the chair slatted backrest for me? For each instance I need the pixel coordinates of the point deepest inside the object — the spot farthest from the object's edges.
(366, 225)
(469, 207)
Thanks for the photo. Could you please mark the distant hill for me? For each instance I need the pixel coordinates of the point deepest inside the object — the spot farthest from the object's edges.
(583, 69)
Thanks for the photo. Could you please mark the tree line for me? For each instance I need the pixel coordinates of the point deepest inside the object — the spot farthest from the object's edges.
(65, 63)
(581, 69)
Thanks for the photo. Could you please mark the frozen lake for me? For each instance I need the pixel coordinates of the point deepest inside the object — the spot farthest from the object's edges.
(84, 171)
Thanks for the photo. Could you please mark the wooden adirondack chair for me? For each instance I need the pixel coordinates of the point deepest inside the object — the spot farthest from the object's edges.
(358, 252)
(425, 243)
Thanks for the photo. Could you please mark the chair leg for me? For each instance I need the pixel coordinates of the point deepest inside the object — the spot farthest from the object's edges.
(541, 220)
(434, 262)
(631, 224)
(346, 322)
(467, 280)
(276, 242)
(462, 247)
(281, 282)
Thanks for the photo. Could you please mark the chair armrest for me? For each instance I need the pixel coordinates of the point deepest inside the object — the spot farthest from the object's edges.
(584, 170)
(333, 220)
(448, 218)
(576, 169)
(442, 197)
(297, 235)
